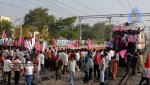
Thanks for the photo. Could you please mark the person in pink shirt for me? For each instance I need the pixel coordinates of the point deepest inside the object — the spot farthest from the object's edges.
(97, 58)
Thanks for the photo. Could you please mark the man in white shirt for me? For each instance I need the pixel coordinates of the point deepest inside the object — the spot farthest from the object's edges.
(71, 67)
(41, 57)
(6, 53)
(102, 67)
(112, 53)
(7, 69)
(64, 58)
(9, 43)
(28, 71)
(20, 54)
(78, 58)
(107, 44)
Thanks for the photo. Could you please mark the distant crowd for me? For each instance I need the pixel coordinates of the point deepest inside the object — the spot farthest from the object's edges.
(101, 64)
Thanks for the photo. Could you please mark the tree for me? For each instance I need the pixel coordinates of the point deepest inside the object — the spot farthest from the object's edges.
(87, 31)
(6, 25)
(39, 18)
(69, 34)
(99, 29)
(62, 25)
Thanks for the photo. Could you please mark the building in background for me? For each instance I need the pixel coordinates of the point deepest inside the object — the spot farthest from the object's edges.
(5, 18)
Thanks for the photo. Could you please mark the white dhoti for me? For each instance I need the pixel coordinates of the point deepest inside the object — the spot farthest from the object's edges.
(102, 76)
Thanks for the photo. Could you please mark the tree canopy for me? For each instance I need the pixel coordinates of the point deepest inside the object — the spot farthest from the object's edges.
(39, 18)
(49, 26)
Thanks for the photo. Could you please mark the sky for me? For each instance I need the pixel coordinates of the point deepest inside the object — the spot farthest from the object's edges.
(67, 8)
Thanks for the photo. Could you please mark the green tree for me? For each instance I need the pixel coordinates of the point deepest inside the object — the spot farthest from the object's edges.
(87, 31)
(39, 18)
(99, 30)
(7, 26)
(62, 25)
(69, 34)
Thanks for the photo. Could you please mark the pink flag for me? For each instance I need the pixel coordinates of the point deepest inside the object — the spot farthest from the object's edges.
(37, 45)
(122, 53)
(76, 43)
(120, 28)
(54, 43)
(4, 34)
(26, 44)
(19, 41)
(89, 44)
(71, 46)
(114, 28)
(42, 47)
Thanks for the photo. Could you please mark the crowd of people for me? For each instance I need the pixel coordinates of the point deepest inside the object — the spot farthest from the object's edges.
(101, 64)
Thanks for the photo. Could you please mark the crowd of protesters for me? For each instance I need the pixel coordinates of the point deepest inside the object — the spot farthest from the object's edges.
(102, 63)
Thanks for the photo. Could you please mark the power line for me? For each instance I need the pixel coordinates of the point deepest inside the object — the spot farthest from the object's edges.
(70, 7)
(32, 3)
(42, 6)
(86, 6)
(14, 6)
(54, 7)
(123, 6)
(60, 7)
(129, 4)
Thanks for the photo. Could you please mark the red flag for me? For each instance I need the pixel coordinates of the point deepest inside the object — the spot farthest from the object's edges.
(89, 44)
(4, 34)
(114, 28)
(37, 45)
(71, 46)
(147, 63)
(76, 43)
(120, 28)
(54, 43)
(19, 41)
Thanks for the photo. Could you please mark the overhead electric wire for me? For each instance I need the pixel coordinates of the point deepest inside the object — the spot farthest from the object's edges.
(54, 7)
(42, 6)
(60, 7)
(86, 6)
(14, 6)
(123, 6)
(70, 7)
(32, 3)
(129, 4)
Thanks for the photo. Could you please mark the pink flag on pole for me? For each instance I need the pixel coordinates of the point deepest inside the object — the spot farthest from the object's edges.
(37, 45)
(54, 43)
(114, 28)
(42, 46)
(4, 34)
(19, 41)
(120, 28)
(76, 43)
(89, 44)
(122, 53)
(71, 46)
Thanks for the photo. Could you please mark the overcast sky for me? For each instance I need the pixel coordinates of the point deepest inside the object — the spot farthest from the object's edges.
(67, 8)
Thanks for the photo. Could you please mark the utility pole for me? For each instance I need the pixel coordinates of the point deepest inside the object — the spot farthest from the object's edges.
(79, 30)
(17, 19)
